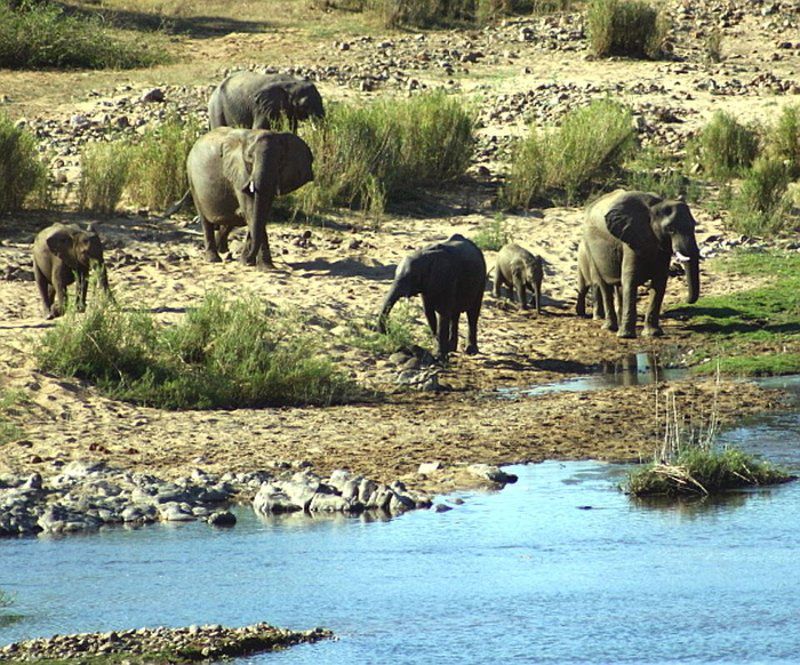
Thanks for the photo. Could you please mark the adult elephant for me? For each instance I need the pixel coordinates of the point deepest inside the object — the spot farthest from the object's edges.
(235, 174)
(450, 276)
(629, 238)
(257, 101)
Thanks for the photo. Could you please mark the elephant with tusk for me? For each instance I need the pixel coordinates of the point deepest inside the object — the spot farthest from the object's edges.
(629, 238)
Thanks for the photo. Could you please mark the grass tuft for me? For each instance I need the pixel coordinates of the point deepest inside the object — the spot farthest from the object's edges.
(38, 35)
(9, 431)
(366, 157)
(402, 332)
(724, 147)
(624, 27)
(592, 142)
(224, 354)
(762, 207)
(104, 174)
(782, 140)
(22, 173)
(493, 234)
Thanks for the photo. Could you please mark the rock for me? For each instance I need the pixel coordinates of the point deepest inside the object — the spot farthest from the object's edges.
(222, 518)
(175, 512)
(271, 499)
(441, 508)
(153, 95)
(429, 467)
(491, 473)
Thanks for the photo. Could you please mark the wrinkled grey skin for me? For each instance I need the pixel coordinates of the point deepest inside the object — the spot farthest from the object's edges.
(450, 276)
(516, 268)
(234, 176)
(630, 238)
(587, 279)
(257, 101)
(62, 254)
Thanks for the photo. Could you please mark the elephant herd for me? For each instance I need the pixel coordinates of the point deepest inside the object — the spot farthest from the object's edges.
(237, 169)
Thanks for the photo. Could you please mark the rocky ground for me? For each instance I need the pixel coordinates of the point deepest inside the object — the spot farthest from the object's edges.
(162, 645)
(522, 70)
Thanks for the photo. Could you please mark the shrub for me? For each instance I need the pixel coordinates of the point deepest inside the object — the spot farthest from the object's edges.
(713, 44)
(104, 174)
(624, 27)
(222, 355)
(40, 35)
(762, 206)
(8, 429)
(591, 142)
(492, 235)
(654, 171)
(402, 331)
(368, 156)
(782, 140)
(157, 175)
(724, 147)
(21, 171)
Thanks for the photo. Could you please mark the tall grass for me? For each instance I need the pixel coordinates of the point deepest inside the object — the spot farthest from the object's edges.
(592, 142)
(41, 34)
(762, 206)
(104, 174)
(157, 175)
(402, 331)
(724, 147)
(439, 13)
(224, 354)
(22, 172)
(624, 27)
(368, 156)
(9, 431)
(493, 234)
(782, 140)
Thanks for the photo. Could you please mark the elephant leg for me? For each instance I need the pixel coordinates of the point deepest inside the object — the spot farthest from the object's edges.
(430, 314)
(652, 327)
(627, 327)
(45, 290)
(537, 294)
(212, 255)
(59, 305)
(259, 251)
(222, 239)
(82, 288)
(453, 342)
(607, 291)
(444, 336)
(497, 283)
(598, 310)
(472, 321)
(519, 289)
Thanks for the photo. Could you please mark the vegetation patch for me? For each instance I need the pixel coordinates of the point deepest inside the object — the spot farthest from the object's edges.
(9, 431)
(367, 156)
(403, 331)
(725, 147)
(755, 331)
(104, 174)
(493, 234)
(782, 140)
(762, 205)
(22, 172)
(591, 143)
(36, 35)
(624, 27)
(223, 354)
(653, 170)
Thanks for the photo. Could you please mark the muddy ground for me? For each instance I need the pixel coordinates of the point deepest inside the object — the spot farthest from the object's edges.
(526, 70)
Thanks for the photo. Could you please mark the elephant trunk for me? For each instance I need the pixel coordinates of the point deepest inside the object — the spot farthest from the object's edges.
(259, 242)
(391, 298)
(688, 253)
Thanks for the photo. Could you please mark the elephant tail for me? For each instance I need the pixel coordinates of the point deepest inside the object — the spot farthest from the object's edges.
(175, 207)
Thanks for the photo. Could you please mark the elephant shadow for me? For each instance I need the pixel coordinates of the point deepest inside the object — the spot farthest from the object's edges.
(728, 320)
(346, 268)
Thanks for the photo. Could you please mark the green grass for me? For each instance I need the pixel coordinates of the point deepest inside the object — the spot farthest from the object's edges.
(492, 234)
(22, 172)
(591, 144)
(624, 27)
(652, 170)
(754, 331)
(782, 140)
(724, 147)
(41, 35)
(761, 206)
(452, 13)
(104, 174)
(402, 331)
(9, 431)
(368, 156)
(223, 354)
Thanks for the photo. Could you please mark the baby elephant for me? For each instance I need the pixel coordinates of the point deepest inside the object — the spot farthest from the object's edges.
(516, 267)
(62, 253)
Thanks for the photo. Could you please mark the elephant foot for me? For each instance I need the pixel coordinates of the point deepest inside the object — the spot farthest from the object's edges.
(263, 266)
(471, 350)
(626, 334)
(611, 327)
(213, 257)
(652, 331)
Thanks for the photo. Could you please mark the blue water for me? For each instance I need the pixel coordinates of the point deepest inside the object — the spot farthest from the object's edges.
(560, 567)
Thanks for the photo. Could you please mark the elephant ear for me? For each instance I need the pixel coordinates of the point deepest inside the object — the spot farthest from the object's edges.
(60, 242)
(272, 101)
(629, 221)
(235, 165)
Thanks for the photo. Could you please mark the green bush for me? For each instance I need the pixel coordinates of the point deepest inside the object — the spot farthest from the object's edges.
(782, 140)
(762, 206)
(367, 156)
(724, 147)
(592, 142)
(492, 235)
(224, 354)
(157, 175)
(653, 170)
(22, 173)
(104, 174)
(624, 27)
(402, 331)
(38, 35)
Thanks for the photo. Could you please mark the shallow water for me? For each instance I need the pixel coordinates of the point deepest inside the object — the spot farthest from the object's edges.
(559, 567)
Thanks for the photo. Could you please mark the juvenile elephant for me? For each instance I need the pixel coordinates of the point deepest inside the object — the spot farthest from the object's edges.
(450, 276)
(587, 279)
(257, 101)
(234, 176)
(630, 238)
(517, 268)
(63, 253)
